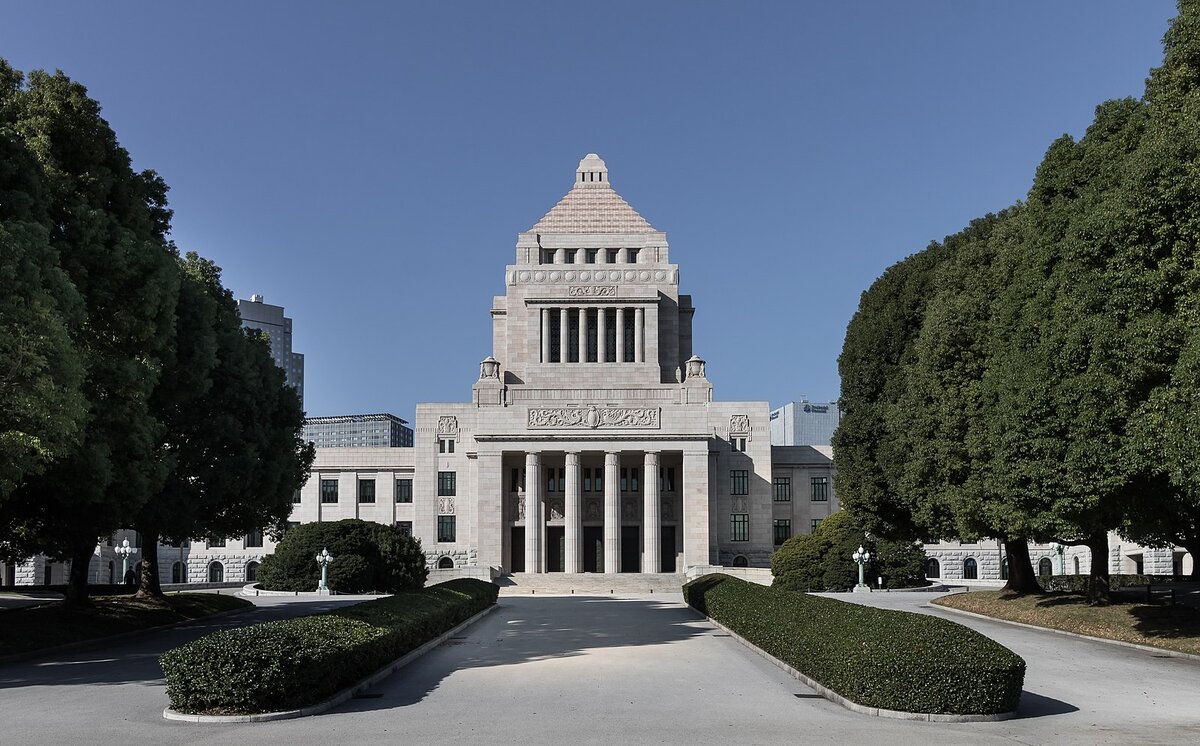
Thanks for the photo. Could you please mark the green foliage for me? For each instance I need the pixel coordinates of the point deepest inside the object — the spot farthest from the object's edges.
(821, 561)
(368, 557)
(894, 660)
(299, 662)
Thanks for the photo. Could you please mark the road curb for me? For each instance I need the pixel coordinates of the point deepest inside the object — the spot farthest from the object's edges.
(1137, 646)
(340, 697)
(119, 637)
(853, 706)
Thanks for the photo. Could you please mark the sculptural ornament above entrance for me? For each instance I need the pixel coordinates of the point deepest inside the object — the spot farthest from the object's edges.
(592, 291)
(593, 417)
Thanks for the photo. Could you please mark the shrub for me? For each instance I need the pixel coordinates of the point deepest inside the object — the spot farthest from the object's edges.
(367, 556)
(875, 657)
(1079, 583)
(820, 561)
(299, 662)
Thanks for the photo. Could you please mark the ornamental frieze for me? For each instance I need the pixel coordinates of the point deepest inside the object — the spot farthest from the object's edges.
(592, 291)
(593, 417)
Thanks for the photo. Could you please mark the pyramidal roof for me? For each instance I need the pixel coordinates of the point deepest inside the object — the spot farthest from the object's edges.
(592, 206)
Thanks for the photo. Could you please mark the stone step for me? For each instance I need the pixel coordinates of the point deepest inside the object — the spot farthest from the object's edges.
(589, 583)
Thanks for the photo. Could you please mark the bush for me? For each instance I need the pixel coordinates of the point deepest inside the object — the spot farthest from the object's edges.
(875, 657)
(298, 662)
(820, 561)
(1079, 583)
(367, 556)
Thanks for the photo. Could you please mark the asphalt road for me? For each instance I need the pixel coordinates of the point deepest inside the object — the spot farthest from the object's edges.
(602, 670)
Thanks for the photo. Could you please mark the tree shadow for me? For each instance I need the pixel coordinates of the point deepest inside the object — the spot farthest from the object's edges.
(135, 660)
(525, 630)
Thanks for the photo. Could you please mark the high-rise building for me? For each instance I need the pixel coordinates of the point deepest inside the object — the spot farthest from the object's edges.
(278, 328)
(805, 423)
(358, 431)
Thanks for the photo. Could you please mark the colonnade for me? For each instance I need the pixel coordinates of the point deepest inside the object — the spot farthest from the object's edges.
(584, 321)
(535, 514)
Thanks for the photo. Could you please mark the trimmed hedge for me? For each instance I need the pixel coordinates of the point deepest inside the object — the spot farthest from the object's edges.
(1079, 583)
(298, 662)
(894, 660)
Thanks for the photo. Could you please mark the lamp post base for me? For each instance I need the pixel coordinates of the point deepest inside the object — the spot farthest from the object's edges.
(327, 592)
(862, 589)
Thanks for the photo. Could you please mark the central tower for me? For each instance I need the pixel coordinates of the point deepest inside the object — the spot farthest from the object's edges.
(592, 299)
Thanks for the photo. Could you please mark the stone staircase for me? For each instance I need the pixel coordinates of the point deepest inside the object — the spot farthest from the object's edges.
(589, 584)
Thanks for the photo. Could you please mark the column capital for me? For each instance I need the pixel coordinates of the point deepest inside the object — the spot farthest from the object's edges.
(572, 457)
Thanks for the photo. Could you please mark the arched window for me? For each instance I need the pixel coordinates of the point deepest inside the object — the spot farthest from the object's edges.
(1045, 567)
(933, 568)
(446, 563)
(177, 572)
(1075, 560)
(112, 573)
(741, 561)
(251, 572)
(216, 573)
(1004, 569)
(970, 569)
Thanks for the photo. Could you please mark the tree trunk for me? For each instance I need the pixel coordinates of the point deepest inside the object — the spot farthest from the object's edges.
(1098, 589)
(1021, 578)
(148, 581)
(77, 581)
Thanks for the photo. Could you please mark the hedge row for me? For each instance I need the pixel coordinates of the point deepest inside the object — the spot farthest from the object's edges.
(894, 660)
(1079, 583)
(298, 662)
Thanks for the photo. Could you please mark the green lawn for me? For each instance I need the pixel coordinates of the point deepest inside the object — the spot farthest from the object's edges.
(47, 625)
(1158, 625)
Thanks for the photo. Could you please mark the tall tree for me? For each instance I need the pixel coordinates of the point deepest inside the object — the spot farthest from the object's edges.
(233, 447)
(41, 401)
(108, 225)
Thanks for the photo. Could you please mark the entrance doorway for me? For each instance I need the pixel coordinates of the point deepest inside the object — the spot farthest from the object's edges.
(631, 549)
(593, 549)
(556, 539)
(666, 549)
(516, 550)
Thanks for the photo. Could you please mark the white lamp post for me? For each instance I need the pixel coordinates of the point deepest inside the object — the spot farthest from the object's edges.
(324, 559)
(124, 552)
(861, 557)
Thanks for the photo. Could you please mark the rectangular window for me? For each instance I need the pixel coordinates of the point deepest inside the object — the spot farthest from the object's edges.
(405, 527)
(441, 446)
(624, 480)
(514, 480)
(611, 255)
(740, 526)
(570, 256)
(587, 480)
(739, 482)
(814, 524)
(820, 489)
(403, 490)
(547, 256)
(446, 484)
(556, 332)
(610, 334)
(590, 256)
(329, 491)
(254, 539)
(549, 479)
(633, 255)
(366, 490)
(445, 445)
(737, 445)
(445, 528)
(599, 480)
(562, 480)
(783, 489)
(296, 497)
(633, 480)
(215, 543)
(666, 479)
(783, 530)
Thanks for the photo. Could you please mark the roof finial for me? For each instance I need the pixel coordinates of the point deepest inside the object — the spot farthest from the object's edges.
(591, 170)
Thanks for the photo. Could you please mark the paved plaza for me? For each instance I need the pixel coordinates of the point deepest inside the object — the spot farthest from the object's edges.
(605, 670)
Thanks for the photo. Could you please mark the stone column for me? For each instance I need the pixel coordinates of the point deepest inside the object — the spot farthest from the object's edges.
(601, 334)
(582, 334)
(651, 534)
(564, 335)
(612, 512)
(573, 516)
(639, 320)
(621, 335)
(696, 547)
(545, 312)
(533, 512)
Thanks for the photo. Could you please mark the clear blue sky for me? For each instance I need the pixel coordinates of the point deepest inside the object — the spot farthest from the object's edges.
(368, 165)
